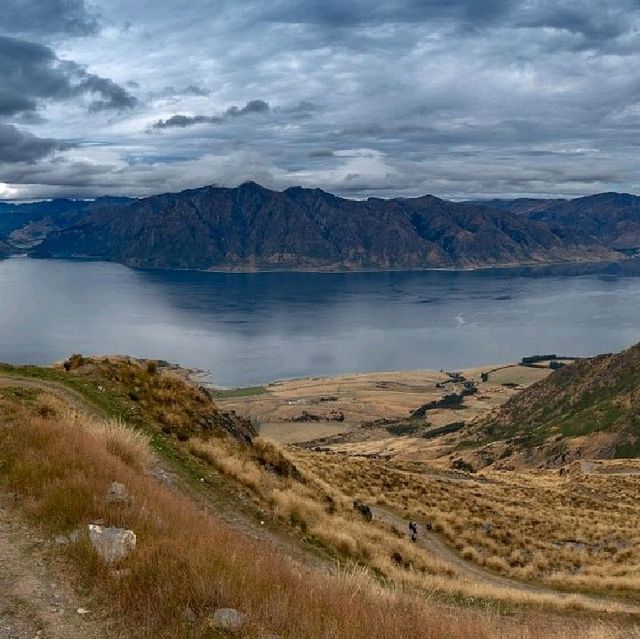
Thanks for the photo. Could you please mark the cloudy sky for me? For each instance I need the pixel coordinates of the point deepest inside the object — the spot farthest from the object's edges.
(460, 98)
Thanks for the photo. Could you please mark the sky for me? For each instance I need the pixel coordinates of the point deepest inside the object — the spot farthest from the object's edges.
(458, 98)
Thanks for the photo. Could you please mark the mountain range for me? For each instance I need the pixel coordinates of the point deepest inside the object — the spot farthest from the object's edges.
(253, 228)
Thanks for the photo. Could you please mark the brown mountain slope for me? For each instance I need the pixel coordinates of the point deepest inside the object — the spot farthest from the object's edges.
(613, 218)
(589, 409)
(250, 227)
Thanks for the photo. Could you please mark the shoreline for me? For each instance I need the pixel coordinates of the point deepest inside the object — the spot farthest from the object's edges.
(342, 271)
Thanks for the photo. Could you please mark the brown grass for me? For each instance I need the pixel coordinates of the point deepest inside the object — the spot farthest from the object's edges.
(574, 532)
(59, 466)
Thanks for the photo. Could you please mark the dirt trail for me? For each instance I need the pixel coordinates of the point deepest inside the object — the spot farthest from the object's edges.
(36, 600)
(431, 542)
(75, 399)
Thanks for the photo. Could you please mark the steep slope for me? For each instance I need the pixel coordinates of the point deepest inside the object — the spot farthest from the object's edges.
(613, 218)
(589, 409)
(250, 227)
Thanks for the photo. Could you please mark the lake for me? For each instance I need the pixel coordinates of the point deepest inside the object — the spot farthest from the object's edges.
(257, 327)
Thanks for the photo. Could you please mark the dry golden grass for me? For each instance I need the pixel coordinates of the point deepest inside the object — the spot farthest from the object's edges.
(575, 531)
(60, 467)
(318, 498)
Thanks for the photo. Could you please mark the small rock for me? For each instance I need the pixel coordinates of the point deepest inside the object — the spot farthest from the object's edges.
(120, 574)
(112, 544)
(61, 540)
(189, 616)
(82, 611)
(117, 493)
(229, 620)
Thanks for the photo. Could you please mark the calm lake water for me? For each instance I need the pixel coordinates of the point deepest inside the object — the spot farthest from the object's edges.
(253, 328)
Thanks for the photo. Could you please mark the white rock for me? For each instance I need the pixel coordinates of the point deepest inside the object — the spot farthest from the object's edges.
(117, 493)
(229, 620)
(112, 544)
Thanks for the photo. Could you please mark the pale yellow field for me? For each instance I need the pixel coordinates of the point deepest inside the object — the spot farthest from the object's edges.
(364, 398)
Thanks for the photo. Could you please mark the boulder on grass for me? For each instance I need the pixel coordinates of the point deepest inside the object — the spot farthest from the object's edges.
(112, 544)
(229, 620)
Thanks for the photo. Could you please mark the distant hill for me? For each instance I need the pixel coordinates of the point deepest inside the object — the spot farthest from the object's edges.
(251, 227)
(589, 409)
(29, 223)
(613, 218)
(5, 248)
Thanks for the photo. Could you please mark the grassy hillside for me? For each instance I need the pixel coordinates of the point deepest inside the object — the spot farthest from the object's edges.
(589, 409)
(227, 519)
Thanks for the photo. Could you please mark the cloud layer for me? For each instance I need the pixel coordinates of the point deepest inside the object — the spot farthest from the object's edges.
(454, 97)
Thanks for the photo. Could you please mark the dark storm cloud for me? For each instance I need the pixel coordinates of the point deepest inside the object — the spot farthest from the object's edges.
(17, 145)
(31, 73)
(254, 106)
(183, 121)
(596, 24)
(51, 17)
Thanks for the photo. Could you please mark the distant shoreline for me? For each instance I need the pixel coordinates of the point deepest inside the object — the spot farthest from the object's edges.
(343, 271)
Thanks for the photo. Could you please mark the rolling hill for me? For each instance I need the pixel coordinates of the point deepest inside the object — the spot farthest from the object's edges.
(254, 228)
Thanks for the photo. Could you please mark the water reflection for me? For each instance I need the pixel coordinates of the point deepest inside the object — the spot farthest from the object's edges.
(252, 328)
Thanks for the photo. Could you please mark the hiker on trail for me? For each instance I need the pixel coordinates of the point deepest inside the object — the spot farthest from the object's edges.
(413, 530)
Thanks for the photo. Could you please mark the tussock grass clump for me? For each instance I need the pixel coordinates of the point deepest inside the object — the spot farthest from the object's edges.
(159, 398)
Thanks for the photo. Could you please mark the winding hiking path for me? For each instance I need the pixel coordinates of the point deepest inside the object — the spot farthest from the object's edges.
(466, 569)
(72, 397)
(36, 599)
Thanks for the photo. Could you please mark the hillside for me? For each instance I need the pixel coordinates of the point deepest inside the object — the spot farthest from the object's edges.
(613, 218)
(250, 227)
(5, 248)
(587, 410)
(289, 543)
(29, 223)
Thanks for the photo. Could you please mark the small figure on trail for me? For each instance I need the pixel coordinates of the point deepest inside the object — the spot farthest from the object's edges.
(413, 530)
